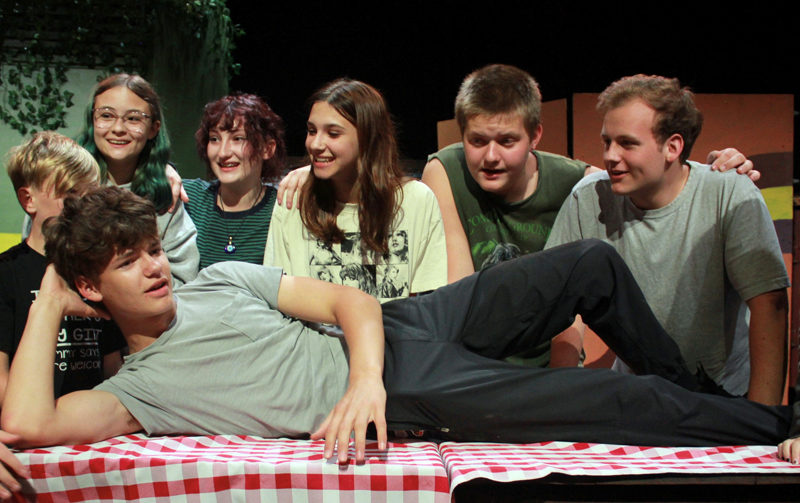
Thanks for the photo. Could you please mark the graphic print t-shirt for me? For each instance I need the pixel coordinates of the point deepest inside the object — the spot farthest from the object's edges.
(416, 261)
(82, 342)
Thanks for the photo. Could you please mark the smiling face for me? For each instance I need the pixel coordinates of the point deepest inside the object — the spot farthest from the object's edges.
(332, 143)
(638, 165)
(498, 153)
(120, 146)
(135, 285)
(231, 158)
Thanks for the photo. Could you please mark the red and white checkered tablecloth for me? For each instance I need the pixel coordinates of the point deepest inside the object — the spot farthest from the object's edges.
(231, 468)
(510, 462)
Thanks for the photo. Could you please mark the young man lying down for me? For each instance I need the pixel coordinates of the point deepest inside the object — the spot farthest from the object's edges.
(229, 353)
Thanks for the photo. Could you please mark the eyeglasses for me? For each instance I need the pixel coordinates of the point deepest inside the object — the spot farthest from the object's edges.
(133, 120)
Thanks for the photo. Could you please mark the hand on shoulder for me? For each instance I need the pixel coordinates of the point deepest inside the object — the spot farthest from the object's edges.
(289, 187)
(730, 158)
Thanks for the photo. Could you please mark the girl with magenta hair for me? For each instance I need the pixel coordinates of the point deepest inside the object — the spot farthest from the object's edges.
(241, 140)
(355, 198)
(125, 132)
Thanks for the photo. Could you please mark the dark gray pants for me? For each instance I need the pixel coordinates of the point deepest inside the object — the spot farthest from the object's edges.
(443, 371)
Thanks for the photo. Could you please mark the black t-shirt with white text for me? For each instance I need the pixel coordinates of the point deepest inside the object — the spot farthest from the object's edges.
(82, 342)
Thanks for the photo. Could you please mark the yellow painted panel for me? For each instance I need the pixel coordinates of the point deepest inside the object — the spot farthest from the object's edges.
(779, 202)
(7, 240)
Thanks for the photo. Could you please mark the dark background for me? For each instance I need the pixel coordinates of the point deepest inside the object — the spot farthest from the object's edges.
(417, 54)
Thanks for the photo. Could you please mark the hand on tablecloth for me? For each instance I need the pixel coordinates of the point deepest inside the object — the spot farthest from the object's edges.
(789, 450)
(9, 465)
(364, 402)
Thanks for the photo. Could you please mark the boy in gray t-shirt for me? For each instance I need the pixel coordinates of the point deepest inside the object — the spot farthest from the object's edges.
(701, 244)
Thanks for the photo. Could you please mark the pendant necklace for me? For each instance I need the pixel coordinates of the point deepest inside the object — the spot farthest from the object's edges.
(230, 248)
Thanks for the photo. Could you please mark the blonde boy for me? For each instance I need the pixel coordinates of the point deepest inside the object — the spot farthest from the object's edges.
(43, 170)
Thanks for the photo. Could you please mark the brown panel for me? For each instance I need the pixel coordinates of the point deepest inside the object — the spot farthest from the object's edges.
(586, 126)
(753, 123)
(776, 168)
(554, 122)
(447, 133)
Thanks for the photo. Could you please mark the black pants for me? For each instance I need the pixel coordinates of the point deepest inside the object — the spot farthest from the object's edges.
(443, 370)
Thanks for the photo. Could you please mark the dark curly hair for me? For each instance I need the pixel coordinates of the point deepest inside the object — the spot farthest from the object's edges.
(261, 126)
(92, 228)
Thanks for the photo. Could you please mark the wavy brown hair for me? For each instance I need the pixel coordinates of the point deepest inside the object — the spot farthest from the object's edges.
(93, 227)
(379, 172)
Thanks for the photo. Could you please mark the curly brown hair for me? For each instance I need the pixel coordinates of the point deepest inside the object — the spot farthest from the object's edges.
(261, 125)
(92, 228)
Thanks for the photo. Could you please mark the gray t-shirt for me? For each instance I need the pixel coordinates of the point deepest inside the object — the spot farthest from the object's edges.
(696, 260)
(231, 363)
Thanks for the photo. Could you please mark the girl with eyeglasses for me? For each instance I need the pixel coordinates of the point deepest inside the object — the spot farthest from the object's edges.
(125, 132)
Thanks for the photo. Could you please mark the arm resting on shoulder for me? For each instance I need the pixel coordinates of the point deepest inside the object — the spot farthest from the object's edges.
(359, 316)
(730, 158)
(290, 186)
(176, 186)
(179, 240)
(459, 257)
(768, 335)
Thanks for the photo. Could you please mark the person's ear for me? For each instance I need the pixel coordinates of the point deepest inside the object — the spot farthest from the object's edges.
(673, 148)
(26, 200)
(537, 137)
(88, 289)
(269, 150)
(154, 130)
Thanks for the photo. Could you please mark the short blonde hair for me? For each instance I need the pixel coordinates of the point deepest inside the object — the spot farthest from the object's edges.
(51, 160)
(499, 90)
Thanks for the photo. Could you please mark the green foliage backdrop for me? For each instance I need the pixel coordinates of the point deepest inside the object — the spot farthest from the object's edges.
(163, 40)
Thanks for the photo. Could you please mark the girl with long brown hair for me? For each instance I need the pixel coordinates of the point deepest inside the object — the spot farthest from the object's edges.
(356, 196)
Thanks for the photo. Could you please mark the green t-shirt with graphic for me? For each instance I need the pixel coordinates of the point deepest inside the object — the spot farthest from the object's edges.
(493, 226)
(497, 230)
